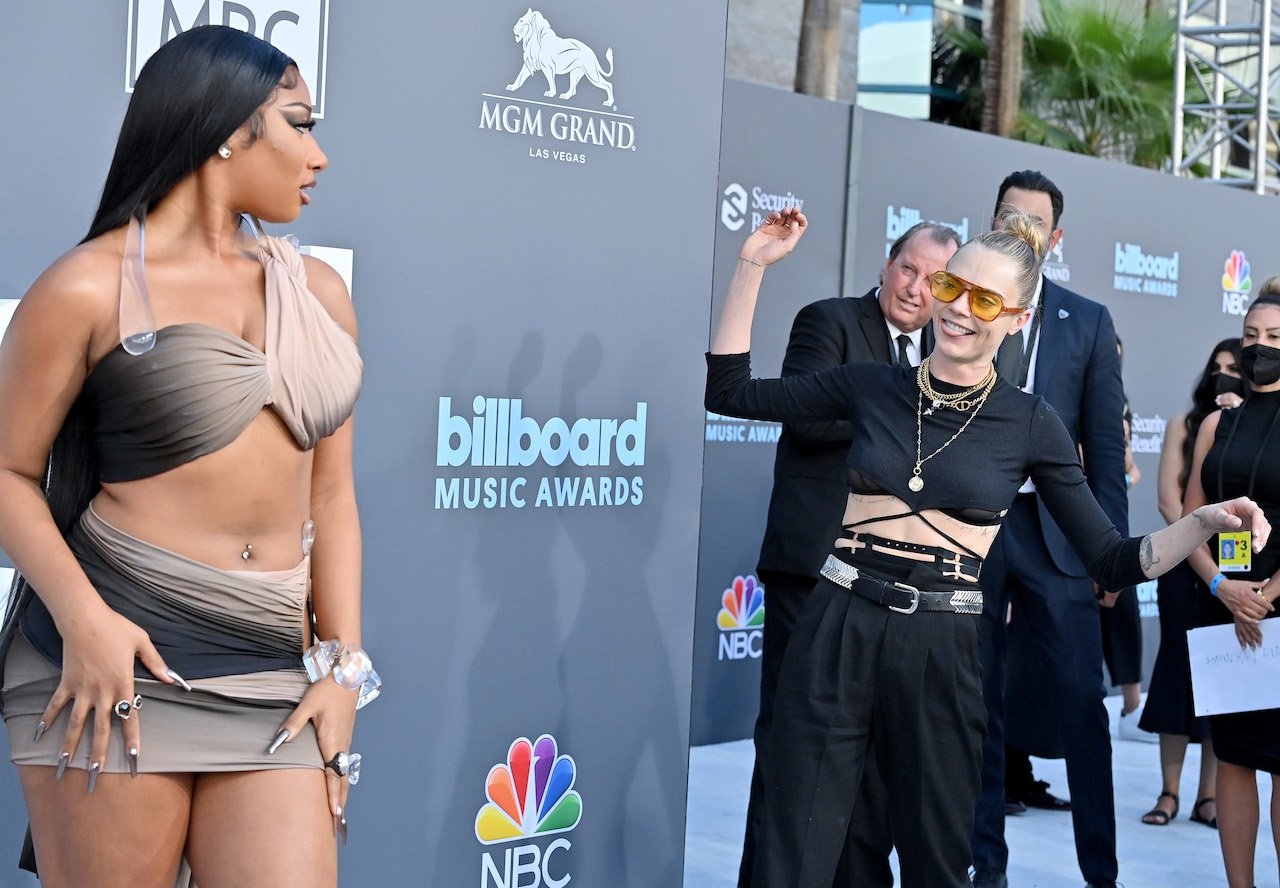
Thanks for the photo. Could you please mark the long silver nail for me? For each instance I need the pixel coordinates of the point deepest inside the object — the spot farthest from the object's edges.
(94, 770)
(40, 729)
(179, 680)
(133, 762)
(280, 738)
(63, 760)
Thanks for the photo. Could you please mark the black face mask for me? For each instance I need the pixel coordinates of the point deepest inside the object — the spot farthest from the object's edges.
(1260, 364)
(1224, 383)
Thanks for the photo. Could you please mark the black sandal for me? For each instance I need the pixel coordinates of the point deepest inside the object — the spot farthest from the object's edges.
(1211, 822)
(1156, 817)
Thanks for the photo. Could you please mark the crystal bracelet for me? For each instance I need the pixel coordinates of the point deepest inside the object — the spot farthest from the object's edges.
(350, 667)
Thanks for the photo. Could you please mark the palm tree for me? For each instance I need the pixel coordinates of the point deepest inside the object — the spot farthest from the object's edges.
(818, 55)
(1096, 80)
(1003, 72)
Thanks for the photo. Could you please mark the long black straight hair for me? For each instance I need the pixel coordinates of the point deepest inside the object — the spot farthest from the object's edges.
(191, 96)
(1203, 402)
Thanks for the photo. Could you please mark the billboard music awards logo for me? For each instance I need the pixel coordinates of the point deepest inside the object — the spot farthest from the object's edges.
(1237, 285)
(498, 435)
(741, 619)
(898, 222)
(1055, 265)
(531, 795)
(1139, 272)
(561, 63)
(733, 208)
(299, 28)
(731, 430)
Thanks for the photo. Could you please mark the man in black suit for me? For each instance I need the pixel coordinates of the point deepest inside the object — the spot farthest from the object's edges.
(889, 323)
(1068, 356)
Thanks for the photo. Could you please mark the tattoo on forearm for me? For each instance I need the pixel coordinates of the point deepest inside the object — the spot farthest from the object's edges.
(1147, 556)
(1204, 522)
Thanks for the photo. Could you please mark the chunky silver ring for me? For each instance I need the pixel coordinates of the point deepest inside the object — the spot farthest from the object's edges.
(125, 708)
(345, 765)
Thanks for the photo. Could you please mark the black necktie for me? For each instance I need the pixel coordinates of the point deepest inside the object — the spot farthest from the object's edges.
(903, 342)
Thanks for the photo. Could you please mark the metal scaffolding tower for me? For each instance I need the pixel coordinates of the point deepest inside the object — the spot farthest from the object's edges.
(1226, 117)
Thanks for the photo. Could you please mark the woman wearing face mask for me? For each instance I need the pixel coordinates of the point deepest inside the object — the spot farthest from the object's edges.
(1169, 711)
(1239, 450)
(882, 670)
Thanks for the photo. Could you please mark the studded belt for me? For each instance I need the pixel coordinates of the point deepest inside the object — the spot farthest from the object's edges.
(900, 597)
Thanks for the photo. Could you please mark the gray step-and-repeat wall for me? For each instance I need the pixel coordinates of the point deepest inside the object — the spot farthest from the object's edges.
(1175, 261)
(777, 149)
(533, 276)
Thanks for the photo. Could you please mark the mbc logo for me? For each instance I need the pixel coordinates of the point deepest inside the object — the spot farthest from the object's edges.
(299, 28)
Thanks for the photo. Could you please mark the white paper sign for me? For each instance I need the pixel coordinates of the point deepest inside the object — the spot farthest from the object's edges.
(1228, 678)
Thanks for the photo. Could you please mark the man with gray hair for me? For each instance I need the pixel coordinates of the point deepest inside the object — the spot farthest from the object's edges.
(889, 323)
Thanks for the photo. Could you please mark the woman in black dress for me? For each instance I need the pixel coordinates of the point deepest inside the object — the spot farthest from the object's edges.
(882, 669)
(1169, 711)
(1239, 450)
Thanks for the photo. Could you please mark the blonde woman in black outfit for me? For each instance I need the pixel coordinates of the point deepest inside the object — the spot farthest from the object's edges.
(883, 669)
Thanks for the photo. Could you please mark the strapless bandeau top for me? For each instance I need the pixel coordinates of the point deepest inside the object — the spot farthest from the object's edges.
(199, 387)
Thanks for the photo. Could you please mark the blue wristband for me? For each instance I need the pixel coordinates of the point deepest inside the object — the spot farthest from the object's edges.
(1213, 586)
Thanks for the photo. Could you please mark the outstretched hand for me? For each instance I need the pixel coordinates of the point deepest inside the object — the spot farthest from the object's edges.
(1240, 513)
(775, 238)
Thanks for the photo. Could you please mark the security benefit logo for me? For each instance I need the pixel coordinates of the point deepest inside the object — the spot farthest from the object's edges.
(1137, 271)
(531, 797)
(511, 460)
(741, 620)
(574, 113)
(734, 207)
(1147, 433)
(1237, 285)
(299, 28)
(898, 221)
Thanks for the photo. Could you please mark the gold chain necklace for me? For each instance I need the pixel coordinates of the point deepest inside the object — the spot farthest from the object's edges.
(961, 400)
(916, 483)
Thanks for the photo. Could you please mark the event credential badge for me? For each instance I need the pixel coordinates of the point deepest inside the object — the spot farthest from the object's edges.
(1235, 552)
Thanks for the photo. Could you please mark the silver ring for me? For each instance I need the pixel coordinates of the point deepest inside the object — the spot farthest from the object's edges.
(345, 765)
(125, 708)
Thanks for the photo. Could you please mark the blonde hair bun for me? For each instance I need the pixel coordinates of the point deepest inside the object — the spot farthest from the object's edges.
(1026, 228)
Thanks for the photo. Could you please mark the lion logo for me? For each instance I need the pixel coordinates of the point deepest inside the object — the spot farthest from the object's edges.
(554, 55)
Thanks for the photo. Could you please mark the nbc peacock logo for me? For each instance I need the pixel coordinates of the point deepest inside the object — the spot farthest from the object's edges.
(741, 619)
(1236, 284)
(743, 605)
(531, 794)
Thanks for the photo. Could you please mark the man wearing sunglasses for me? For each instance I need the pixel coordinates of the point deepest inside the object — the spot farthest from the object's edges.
(1067, 354)
(889, 323)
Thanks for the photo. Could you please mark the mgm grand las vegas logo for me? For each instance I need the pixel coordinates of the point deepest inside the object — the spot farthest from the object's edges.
(566, 121)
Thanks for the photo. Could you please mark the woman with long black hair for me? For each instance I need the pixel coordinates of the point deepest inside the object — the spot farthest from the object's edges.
(1239, 450)
(882, 670)
(1169, 710)
(183, 665)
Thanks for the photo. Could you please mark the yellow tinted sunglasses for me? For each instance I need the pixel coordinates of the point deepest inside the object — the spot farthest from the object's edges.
(984, 304)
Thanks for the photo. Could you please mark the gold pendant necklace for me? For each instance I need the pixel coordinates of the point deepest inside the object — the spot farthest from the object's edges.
(916, 482)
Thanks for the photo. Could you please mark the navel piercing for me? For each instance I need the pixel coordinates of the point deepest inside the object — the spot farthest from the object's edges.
(248, 551)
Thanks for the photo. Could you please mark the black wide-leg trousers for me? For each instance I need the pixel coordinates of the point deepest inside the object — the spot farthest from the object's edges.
(865, 860)
(860, 687)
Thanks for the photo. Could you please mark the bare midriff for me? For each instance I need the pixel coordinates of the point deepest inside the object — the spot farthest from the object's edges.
(910, 529)
(255, 491)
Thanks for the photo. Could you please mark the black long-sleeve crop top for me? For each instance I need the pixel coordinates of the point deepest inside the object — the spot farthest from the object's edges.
(1013, 436)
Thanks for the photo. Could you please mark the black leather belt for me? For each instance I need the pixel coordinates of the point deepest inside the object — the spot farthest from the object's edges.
(900, 597)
